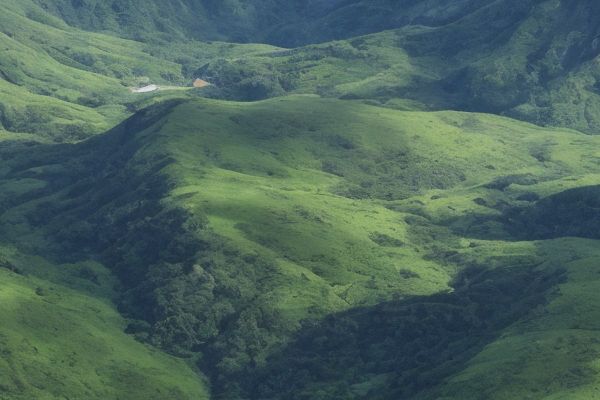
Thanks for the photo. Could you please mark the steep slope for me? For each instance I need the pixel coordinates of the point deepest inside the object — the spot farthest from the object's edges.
(61, 83)
(238, 21)
(322, 21)
(61, 342)
(229, 224)
(536, 62)
(287, 23)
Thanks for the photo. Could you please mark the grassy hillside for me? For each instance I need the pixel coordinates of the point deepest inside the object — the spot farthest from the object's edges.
(371, 67)
(68, 342)
(288, 23)
(537, 63)
(248, 233)
(63, 84)
(335, 236)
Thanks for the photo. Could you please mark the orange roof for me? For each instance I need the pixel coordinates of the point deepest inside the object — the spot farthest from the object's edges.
(199, 83)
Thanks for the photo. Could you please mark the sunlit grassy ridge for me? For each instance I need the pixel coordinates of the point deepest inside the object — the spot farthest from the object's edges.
(237, 221)
(462, 156)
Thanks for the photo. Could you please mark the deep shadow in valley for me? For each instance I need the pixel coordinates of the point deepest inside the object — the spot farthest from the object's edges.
(570, 213)
(399, 348)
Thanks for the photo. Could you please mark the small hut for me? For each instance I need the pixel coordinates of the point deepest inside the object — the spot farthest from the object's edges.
(200, 83)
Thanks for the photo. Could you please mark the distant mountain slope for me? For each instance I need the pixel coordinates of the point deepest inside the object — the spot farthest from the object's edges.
(234, 20)
(287, 23)
(230, 223)
(533, 60)
(63, 84)
(58, 83)
(536, 61)
(323, 21)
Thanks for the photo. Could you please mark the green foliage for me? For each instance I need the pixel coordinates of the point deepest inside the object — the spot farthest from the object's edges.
(243, 80)
(288, 23)
(299, 247)
(399, 349)
(574, 212)
(62, 84)
(57, 342)
(535, 63)
(235, 222)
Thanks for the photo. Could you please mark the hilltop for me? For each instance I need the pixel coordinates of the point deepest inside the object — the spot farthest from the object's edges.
(238, 223)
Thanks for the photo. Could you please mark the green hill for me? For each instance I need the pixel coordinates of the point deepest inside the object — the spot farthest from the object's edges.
(237, 221)
(535, 63)
(61, 84)
(362, 218)
(57, 342)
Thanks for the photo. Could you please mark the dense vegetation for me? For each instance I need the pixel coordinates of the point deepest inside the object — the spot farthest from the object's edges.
(234, 240)
(281, 22)
(61, 84)
(403, 348)
(459, 60)
(58, 342)
(308, 226)
(574, 212)
(535, 62)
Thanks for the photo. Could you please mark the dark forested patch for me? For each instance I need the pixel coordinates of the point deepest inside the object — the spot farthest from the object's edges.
(399, 348)
(184, 288)
(574, 212)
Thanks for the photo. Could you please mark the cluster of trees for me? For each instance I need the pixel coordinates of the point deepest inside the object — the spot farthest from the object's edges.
(184, 288)
(258, 77)
(395, 349)
(574, 212)
(244, 79)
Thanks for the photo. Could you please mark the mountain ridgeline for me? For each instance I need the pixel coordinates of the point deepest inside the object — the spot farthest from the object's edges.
(371, 199)
(530, 60)
(288, 23)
